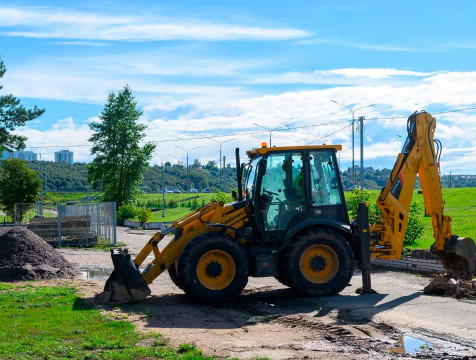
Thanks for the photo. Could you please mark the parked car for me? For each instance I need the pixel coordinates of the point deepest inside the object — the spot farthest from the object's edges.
(206, 190)
(169, 191)
(352, 187)
(193, 191)
(177, 190)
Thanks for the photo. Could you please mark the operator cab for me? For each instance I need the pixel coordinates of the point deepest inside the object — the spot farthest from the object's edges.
(292, 187)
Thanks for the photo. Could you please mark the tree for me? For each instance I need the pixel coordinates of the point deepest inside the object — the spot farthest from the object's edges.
(120, 162)
(12, 115)
(18, 184)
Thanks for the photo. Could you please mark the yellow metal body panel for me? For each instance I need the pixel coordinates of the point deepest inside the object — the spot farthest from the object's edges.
(421, 160)
(212, 217)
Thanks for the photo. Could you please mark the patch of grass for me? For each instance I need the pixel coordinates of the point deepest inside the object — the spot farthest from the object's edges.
(56, 197)
(460, 204)
(54, 323)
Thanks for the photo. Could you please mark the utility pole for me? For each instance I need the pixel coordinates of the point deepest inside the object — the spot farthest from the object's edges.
(361, 122)
(219, 159)
(41, 195)
(450, 179)
(188, 171)
(270, 130)
(224, 174)
(163, 184)
(353, 111)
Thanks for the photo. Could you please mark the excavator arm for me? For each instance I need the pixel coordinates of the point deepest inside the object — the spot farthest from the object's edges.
(420, 156)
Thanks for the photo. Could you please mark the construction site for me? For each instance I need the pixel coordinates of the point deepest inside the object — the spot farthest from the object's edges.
(242, 180)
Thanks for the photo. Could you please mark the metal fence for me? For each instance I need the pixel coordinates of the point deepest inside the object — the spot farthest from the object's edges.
(66, 224)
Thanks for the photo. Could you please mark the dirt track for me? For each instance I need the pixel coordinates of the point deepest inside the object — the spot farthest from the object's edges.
(272, 321)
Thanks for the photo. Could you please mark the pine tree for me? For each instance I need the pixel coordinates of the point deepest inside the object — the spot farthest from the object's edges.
(12, 115)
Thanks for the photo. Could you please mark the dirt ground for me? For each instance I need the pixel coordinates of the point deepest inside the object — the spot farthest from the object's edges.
(270, 320)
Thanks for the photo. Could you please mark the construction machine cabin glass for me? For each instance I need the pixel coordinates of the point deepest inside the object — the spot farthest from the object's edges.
(282, 192)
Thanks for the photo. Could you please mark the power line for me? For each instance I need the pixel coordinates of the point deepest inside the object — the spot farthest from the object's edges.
(260, 132)
(332, 133)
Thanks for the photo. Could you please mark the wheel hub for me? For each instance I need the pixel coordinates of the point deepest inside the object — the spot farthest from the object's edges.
(318, 263)
(213, 269)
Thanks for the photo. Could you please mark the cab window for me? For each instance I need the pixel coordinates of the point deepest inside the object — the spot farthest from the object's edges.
(324, 178)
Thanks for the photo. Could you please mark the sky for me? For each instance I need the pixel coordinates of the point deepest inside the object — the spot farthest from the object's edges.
(201, 69)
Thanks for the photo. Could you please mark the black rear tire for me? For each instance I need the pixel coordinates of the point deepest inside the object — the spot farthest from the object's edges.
(172, 270)
(200, 278)
(305, 270)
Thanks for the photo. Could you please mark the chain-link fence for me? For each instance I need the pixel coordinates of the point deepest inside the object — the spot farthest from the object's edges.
(67, 224)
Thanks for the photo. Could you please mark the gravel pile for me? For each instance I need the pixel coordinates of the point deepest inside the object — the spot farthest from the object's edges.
(26, 256)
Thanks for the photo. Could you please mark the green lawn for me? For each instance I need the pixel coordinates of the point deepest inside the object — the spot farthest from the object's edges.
(460, 204)
(55, 197)
(54, 323)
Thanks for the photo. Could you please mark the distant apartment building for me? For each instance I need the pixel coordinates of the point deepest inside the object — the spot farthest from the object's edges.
(22, 155)
(64, 156)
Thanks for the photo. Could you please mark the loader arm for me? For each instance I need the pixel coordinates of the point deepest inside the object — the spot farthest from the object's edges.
(127, 284)
(419, 156)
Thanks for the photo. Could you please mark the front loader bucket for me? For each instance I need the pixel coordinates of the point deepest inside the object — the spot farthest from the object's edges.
(458, 255)
(126, 284)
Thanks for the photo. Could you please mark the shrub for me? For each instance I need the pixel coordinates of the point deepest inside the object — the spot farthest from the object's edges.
(171, 204)
(222, 196)
(357, 196)
(415, 224)
(127, 211)
(143, 215)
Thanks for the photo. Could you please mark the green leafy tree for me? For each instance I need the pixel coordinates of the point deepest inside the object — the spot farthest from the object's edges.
(12, 115)
(120, 162)
(18, 184)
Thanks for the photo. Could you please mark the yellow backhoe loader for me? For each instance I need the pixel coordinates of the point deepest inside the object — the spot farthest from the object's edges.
(290, 221)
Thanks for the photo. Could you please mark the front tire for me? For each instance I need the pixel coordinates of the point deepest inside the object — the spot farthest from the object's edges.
(317, 262)
(213, 268)
(172, 270)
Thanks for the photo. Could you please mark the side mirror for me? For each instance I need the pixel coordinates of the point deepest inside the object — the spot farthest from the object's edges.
(234, 195)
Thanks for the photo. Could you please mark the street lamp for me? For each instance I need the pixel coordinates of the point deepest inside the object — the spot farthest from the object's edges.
(219, 159)
(270, 130)
(188, 172)
(353, 111)
(163, 184)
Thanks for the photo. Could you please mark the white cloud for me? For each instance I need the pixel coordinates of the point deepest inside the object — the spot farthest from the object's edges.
(353, 76)
(65, 133)
(368, 46)
(61, 24)
(201, 111)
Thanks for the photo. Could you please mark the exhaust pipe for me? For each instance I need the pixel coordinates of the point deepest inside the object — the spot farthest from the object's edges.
(239, 174)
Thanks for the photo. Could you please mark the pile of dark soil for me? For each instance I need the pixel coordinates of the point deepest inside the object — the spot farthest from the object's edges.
(26, 256)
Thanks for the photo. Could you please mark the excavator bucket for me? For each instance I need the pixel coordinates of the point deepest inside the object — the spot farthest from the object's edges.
(458, 255)
(126, 284)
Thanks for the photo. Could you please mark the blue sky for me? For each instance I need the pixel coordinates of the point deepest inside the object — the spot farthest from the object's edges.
(214, 68)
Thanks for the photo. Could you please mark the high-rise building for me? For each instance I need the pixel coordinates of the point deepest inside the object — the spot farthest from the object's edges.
(65, 156)
(22, 155)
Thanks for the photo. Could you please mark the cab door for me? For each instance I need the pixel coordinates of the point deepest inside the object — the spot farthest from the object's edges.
(282, 195)
(327, 197)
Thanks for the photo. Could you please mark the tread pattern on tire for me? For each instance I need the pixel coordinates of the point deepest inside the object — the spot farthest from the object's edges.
(187, 264)
(172, 270)
(290, 273)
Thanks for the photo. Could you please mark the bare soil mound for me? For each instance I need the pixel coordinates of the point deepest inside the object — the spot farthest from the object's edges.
(26, 256)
